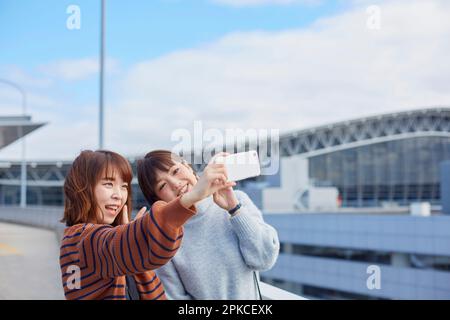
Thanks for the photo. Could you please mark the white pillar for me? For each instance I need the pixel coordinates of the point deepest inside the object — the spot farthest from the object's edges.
(294, 178)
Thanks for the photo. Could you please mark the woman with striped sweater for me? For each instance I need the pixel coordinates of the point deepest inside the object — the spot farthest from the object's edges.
(101, 247)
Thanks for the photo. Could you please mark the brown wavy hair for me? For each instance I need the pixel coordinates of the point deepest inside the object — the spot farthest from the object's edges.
(80, 205)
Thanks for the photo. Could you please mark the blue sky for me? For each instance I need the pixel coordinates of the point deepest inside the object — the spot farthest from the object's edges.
(174, 62)
(34, 34)
(35, 31)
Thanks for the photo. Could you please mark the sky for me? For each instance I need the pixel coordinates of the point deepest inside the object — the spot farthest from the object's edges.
(249, 64)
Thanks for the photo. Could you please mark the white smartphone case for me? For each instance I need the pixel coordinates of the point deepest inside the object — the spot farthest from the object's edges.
(241, 165)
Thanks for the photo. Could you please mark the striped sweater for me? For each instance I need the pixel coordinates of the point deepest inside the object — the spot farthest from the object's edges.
(96, 257)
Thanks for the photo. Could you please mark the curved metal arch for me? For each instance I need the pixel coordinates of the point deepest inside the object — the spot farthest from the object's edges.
(364, 143)
(343, 135)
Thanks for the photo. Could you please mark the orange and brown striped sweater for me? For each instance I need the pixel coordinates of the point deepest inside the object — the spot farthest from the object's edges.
(99, 256)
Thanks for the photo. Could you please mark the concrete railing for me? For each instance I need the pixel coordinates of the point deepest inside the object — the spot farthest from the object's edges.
(270, 292)
(41, 217)
(48, 218)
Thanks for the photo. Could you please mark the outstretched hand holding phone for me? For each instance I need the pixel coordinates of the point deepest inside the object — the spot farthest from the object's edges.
(212, 180)
(225, 197)
(238, 166)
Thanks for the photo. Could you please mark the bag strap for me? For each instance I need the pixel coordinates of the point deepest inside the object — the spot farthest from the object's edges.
(257, 284)
(131, 288)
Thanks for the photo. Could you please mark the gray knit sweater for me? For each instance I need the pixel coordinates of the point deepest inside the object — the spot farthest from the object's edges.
(219, 253)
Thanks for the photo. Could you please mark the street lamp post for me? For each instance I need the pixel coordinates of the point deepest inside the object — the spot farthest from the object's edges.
(101, 84)
(23, 165)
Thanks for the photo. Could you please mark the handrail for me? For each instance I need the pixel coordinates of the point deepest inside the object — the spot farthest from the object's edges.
(270, 292)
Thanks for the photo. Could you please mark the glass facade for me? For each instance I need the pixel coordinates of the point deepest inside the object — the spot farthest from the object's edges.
(389, 173)
(42, 194)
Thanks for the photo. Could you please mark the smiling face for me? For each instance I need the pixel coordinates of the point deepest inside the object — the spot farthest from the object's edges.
(111, 194)
(179, 179)
(94, 187)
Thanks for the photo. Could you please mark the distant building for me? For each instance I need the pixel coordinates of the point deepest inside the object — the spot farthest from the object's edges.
(13, 128)
(381, 161)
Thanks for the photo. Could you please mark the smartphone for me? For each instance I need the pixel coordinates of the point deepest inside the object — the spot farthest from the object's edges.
(241, 165)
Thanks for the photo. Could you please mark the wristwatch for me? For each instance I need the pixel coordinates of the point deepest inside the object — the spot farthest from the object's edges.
(233, 211)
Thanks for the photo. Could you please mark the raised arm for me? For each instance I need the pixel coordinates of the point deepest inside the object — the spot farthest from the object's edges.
(145, 244)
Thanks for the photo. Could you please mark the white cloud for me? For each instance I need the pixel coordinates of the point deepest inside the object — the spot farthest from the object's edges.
(33, 87)
(17, 75)
(66, 133)
(59, 140)
(77, 69)
(70, 126)
(335, 70)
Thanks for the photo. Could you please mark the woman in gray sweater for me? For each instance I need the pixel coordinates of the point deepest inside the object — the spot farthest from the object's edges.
(224, 245)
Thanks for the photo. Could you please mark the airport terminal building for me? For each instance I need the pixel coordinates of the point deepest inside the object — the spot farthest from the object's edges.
(381, 161)
(385, 160)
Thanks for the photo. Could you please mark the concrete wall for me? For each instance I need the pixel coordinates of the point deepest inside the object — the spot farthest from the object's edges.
(42, 217)
(445, 186)
(396, 283)
(394, 234)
